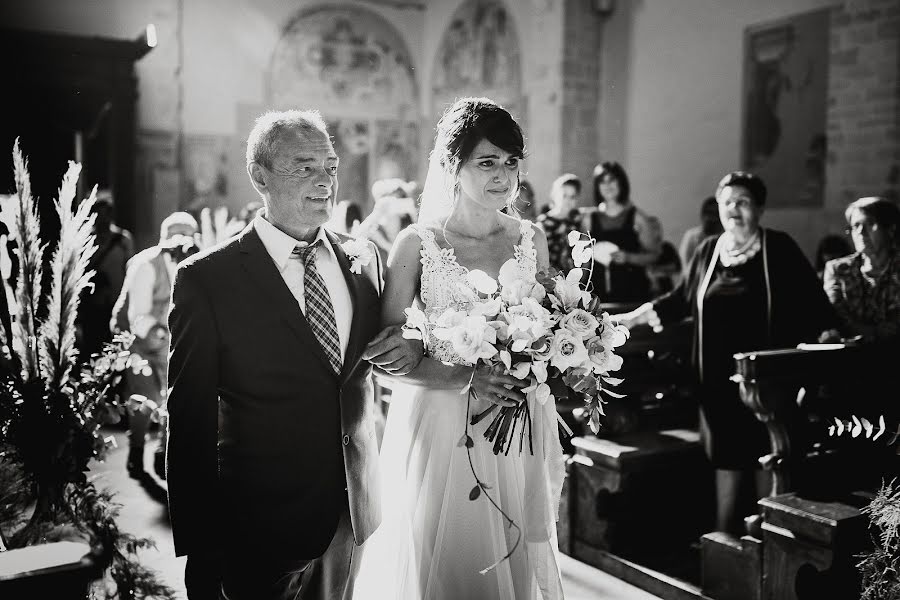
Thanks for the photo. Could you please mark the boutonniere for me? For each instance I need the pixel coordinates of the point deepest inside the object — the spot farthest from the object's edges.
(359, 251)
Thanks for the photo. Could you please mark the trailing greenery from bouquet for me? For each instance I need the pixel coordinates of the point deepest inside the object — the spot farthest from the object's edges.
(52, 405)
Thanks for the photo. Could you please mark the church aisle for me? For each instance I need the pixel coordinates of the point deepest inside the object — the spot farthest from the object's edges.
(144, 513)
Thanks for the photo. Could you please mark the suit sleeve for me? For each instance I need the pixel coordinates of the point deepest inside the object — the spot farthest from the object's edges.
(192, 464)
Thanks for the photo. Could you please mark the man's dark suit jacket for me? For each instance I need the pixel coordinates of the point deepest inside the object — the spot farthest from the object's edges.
(267, 446)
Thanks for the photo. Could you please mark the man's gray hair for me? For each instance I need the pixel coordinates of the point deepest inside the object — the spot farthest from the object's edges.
(262, 143)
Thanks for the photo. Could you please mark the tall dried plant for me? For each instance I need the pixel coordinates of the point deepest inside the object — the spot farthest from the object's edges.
(51, 408)
(31, 255)
(70, 276)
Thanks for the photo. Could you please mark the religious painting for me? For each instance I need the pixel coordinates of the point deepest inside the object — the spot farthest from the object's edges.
(479, 55)
(205, 168)
(342, 60)
(785, 102)
(396, 149)
(352, 143)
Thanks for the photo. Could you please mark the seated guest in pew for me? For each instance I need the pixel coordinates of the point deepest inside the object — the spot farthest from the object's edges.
(749, 288)
(864, 288)
(709, 225)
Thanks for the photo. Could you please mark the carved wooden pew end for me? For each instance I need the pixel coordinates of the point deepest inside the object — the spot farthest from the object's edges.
(638, 493)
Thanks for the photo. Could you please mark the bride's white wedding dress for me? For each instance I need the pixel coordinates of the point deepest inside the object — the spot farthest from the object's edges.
(434, 541)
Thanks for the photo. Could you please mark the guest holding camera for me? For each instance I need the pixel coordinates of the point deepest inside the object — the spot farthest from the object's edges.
(749, 288)
(864, 288)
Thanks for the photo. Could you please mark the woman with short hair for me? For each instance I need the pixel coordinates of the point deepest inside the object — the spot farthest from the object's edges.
(750, 288)
(864, 288)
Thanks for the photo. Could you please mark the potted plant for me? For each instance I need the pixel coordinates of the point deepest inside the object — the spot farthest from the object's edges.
(52, 405)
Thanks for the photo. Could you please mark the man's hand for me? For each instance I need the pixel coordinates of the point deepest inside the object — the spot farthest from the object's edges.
(393, 353)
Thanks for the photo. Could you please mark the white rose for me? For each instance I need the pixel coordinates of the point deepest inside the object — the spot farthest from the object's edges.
(601, 356)
(581, 323)
(568, 351)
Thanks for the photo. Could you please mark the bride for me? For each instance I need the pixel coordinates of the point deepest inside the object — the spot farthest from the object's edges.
(434, 541)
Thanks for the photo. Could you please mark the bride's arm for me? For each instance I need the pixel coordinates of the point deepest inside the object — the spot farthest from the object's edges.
(401, 290)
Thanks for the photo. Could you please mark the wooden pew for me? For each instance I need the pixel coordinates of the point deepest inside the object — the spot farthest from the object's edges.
(809, 530)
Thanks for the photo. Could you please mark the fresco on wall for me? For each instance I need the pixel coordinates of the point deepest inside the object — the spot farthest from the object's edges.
(785, 100)
(353, 144)
(342, 60)
(396, 149)
(479, 55)
(353, 66)
(205, 168)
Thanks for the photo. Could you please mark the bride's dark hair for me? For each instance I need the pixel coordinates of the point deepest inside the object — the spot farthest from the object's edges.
(462, 126)
(469, 121)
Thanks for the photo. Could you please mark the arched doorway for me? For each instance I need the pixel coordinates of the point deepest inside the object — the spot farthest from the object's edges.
(353, 67)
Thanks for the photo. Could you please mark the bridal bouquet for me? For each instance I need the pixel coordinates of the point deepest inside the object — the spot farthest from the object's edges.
(547, 329)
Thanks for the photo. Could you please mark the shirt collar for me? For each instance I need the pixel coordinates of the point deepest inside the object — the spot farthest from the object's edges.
(279, 245)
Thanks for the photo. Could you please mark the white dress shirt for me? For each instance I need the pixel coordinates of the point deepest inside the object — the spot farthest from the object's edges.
(279, 245)
(140, 295)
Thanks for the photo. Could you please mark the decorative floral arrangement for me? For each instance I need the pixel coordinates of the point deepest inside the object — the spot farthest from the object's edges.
(547, 329)
(880, 568)
(51, 405)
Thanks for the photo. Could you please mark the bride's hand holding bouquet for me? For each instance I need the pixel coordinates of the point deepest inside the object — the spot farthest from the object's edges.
(535, 338)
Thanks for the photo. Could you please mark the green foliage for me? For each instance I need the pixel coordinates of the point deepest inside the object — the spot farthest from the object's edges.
(881, 568)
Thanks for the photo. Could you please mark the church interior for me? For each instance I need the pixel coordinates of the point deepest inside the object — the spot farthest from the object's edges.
(155, 99)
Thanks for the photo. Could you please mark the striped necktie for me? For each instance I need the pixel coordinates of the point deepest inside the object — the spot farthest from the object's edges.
(319, 310)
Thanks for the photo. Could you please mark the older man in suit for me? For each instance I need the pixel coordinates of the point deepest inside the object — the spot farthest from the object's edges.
(272, 456)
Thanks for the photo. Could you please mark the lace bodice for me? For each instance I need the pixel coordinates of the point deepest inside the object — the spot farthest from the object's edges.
(444, 282)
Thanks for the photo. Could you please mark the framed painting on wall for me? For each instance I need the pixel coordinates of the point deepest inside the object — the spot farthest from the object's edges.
(785, 101)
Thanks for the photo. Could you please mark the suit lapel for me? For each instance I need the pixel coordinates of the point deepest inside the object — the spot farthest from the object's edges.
(256, 261)
(351, 356)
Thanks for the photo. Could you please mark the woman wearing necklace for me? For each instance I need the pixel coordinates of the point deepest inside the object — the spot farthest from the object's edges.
(748, 289)
(865, 287)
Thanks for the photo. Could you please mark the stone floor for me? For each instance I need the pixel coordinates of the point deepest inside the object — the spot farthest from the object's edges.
(144, 513)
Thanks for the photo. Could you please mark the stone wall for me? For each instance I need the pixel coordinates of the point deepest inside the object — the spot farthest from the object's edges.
(581, 91)
(864, 103)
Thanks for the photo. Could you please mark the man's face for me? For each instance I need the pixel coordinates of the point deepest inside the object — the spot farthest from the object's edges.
(301, 184)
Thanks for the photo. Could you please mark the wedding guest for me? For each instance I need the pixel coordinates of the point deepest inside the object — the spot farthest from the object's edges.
(114, 248)
(617, 225)
(142, 308)
(666, 269)
(394, 210)
(525, 205)
(346, 217)
(709, 225)
(830, 247)
(865, 286)
(562, 218)
(750, 288)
